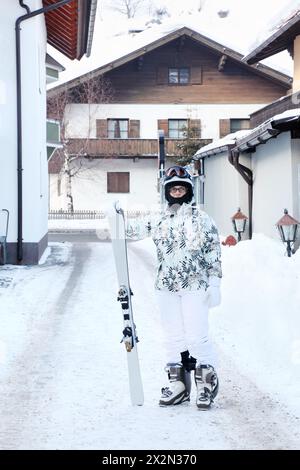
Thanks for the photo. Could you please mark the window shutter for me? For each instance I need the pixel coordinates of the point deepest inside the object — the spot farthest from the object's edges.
(123, 182)
(196, 75)
(162, 75)
(101, 128)
(195, 126)
(163, 124)
(118, 182)
(112, 182)
(134, 129)
(224, 127)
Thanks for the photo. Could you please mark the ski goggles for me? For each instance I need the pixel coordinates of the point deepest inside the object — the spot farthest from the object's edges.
(178, 171)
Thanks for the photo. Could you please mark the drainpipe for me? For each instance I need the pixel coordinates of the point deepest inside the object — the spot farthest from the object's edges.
(246, 173)
(27, 16)
(202, 179)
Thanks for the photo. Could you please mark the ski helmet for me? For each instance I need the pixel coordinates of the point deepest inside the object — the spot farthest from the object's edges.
(178, 176)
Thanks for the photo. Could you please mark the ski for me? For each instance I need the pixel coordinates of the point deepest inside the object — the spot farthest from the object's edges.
(130, 339)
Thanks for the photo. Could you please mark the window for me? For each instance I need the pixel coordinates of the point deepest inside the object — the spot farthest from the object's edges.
(239, 124)
(118, 182)
(178, 128)
(179, 76)
(117, 128)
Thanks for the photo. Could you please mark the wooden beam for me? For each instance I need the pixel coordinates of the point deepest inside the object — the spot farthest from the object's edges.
(222, 62)
(140, 63)
(180, 43)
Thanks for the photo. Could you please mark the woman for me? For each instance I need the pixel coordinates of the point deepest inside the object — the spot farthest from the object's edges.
(187, 285)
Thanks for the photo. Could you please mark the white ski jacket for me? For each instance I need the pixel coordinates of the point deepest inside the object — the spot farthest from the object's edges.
(187, 244)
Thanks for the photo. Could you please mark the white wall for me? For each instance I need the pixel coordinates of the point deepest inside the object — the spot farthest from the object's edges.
(272, 190)
(295, 148)
(81, 118)
(224, 192)
(89, 187)
(33, 49)
(276, 185)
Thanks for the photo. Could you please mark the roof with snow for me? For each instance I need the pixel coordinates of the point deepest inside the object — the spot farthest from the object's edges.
(281, 39)
(126, 49)
(248, 139)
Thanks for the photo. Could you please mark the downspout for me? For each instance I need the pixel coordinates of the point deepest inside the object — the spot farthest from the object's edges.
(246, 173)
(19, 20)
(202, 179)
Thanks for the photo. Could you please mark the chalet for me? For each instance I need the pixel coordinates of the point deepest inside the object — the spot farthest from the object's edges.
(259, 170)
(26, 27)
(172, 80)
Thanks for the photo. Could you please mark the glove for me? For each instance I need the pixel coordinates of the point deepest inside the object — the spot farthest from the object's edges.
(214, 292)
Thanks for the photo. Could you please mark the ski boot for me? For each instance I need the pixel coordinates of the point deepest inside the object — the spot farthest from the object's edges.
(180, 386)
(207, 384)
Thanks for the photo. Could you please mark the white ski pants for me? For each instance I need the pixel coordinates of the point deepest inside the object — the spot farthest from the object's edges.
(184, 320)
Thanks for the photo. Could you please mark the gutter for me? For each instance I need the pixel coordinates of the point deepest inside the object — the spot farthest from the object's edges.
(29, 14)
(91, 28)
(86, 22)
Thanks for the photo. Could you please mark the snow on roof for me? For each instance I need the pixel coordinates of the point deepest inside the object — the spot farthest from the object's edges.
(275, 23)
(233, 139)
(229, 139)
(287, 114)
(108, 48)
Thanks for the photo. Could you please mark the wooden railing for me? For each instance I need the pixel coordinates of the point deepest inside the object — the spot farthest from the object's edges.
(126, 147)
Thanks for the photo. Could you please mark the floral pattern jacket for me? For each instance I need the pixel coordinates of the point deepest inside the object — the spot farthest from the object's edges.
(187, 244)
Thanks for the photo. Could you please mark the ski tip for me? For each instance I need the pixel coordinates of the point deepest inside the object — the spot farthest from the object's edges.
(116, 205)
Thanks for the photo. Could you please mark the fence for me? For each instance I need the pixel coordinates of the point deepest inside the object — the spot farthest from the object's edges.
(87, 215)
(60, 214)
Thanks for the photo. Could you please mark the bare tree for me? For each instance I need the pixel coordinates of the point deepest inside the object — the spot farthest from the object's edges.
(127, 7)
(158, 14)
(90, 92)
(201, 5)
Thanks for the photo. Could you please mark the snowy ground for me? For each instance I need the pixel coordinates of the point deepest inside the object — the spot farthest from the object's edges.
(63, 377)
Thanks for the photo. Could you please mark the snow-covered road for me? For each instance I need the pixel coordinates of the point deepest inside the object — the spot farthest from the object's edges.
(63, 377)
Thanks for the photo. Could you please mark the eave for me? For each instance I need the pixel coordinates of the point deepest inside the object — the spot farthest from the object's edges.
(70, 27)
(262, 70)
(281, 40)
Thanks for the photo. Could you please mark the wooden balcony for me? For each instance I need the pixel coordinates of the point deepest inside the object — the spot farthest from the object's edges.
(126, 147)
(277, 107)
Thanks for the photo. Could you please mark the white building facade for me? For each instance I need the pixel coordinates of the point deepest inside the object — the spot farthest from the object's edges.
(23, 160)
(34, 168)
(90, 186)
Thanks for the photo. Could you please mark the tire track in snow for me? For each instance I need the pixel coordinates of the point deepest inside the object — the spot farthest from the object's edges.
(29, 377)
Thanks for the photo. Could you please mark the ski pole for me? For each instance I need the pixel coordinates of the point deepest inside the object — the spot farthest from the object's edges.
(161, 164)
